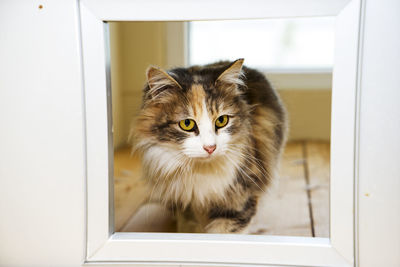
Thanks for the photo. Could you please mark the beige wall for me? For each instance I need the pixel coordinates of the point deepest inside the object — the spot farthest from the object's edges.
(307, 97)
(136, 45)
(309, 113)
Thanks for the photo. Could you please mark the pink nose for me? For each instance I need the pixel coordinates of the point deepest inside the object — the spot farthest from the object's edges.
(210, 149)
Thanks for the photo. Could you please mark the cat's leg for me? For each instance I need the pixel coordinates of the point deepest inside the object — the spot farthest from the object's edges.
(228, 220)
(226, 226)
(186, 222)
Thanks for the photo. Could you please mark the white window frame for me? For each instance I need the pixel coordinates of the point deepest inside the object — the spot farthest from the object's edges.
(106, 246)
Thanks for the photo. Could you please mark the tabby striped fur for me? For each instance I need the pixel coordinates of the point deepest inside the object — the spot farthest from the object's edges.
(219, 192)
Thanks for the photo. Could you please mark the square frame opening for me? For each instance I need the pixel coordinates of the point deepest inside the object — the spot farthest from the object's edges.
(103, 245)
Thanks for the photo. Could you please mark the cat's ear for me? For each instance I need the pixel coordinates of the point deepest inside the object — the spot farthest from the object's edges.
(158, 80)
(233, 74)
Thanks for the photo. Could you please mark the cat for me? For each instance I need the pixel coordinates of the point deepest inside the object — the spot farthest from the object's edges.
(210, 138)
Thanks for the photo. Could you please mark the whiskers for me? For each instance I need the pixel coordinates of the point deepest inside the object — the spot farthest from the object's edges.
(178, 179)
(194, 153)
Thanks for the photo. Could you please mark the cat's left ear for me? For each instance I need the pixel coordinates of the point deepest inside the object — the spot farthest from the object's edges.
(159, 80)
(233, 74)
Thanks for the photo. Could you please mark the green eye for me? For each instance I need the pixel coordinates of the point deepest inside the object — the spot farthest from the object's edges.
(222, 121)
(187, 125)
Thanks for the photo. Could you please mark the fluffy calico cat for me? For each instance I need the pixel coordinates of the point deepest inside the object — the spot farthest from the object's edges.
(210, 139)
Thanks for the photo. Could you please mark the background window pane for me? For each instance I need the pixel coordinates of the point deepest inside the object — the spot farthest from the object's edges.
(267, 44)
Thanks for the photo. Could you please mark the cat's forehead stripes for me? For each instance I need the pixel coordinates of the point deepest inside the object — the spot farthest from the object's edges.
(204, 99)
(197, 95)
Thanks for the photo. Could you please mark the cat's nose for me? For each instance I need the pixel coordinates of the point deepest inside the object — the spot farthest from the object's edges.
(210, 149)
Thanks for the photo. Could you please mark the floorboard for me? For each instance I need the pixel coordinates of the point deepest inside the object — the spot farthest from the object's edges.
(318, 159)
(285, 210)
(130, 191)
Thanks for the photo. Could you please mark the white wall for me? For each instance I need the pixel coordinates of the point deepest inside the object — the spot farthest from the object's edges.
(42, 173)
(379, 173)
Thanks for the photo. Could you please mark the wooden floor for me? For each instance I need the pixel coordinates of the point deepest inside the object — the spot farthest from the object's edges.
(296, 205)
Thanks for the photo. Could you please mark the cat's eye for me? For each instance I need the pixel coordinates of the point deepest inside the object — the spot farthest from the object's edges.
(222, 121)
(187, 125)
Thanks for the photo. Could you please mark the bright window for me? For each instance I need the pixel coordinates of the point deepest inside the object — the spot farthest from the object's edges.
(270, 44)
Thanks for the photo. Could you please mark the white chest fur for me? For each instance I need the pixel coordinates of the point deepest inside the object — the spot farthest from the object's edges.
(176, 179)
(197, 184)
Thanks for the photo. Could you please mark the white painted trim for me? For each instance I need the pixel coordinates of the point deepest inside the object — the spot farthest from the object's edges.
(343, 134)
(97, 131)
(220, 249)
(183, 10)
(105, 246)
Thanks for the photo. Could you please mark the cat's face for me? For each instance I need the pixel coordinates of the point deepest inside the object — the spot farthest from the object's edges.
(209, 128)
(195, 114)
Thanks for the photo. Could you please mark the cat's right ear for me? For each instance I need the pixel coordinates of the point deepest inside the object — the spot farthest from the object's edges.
(233, 74)
(159, 80)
